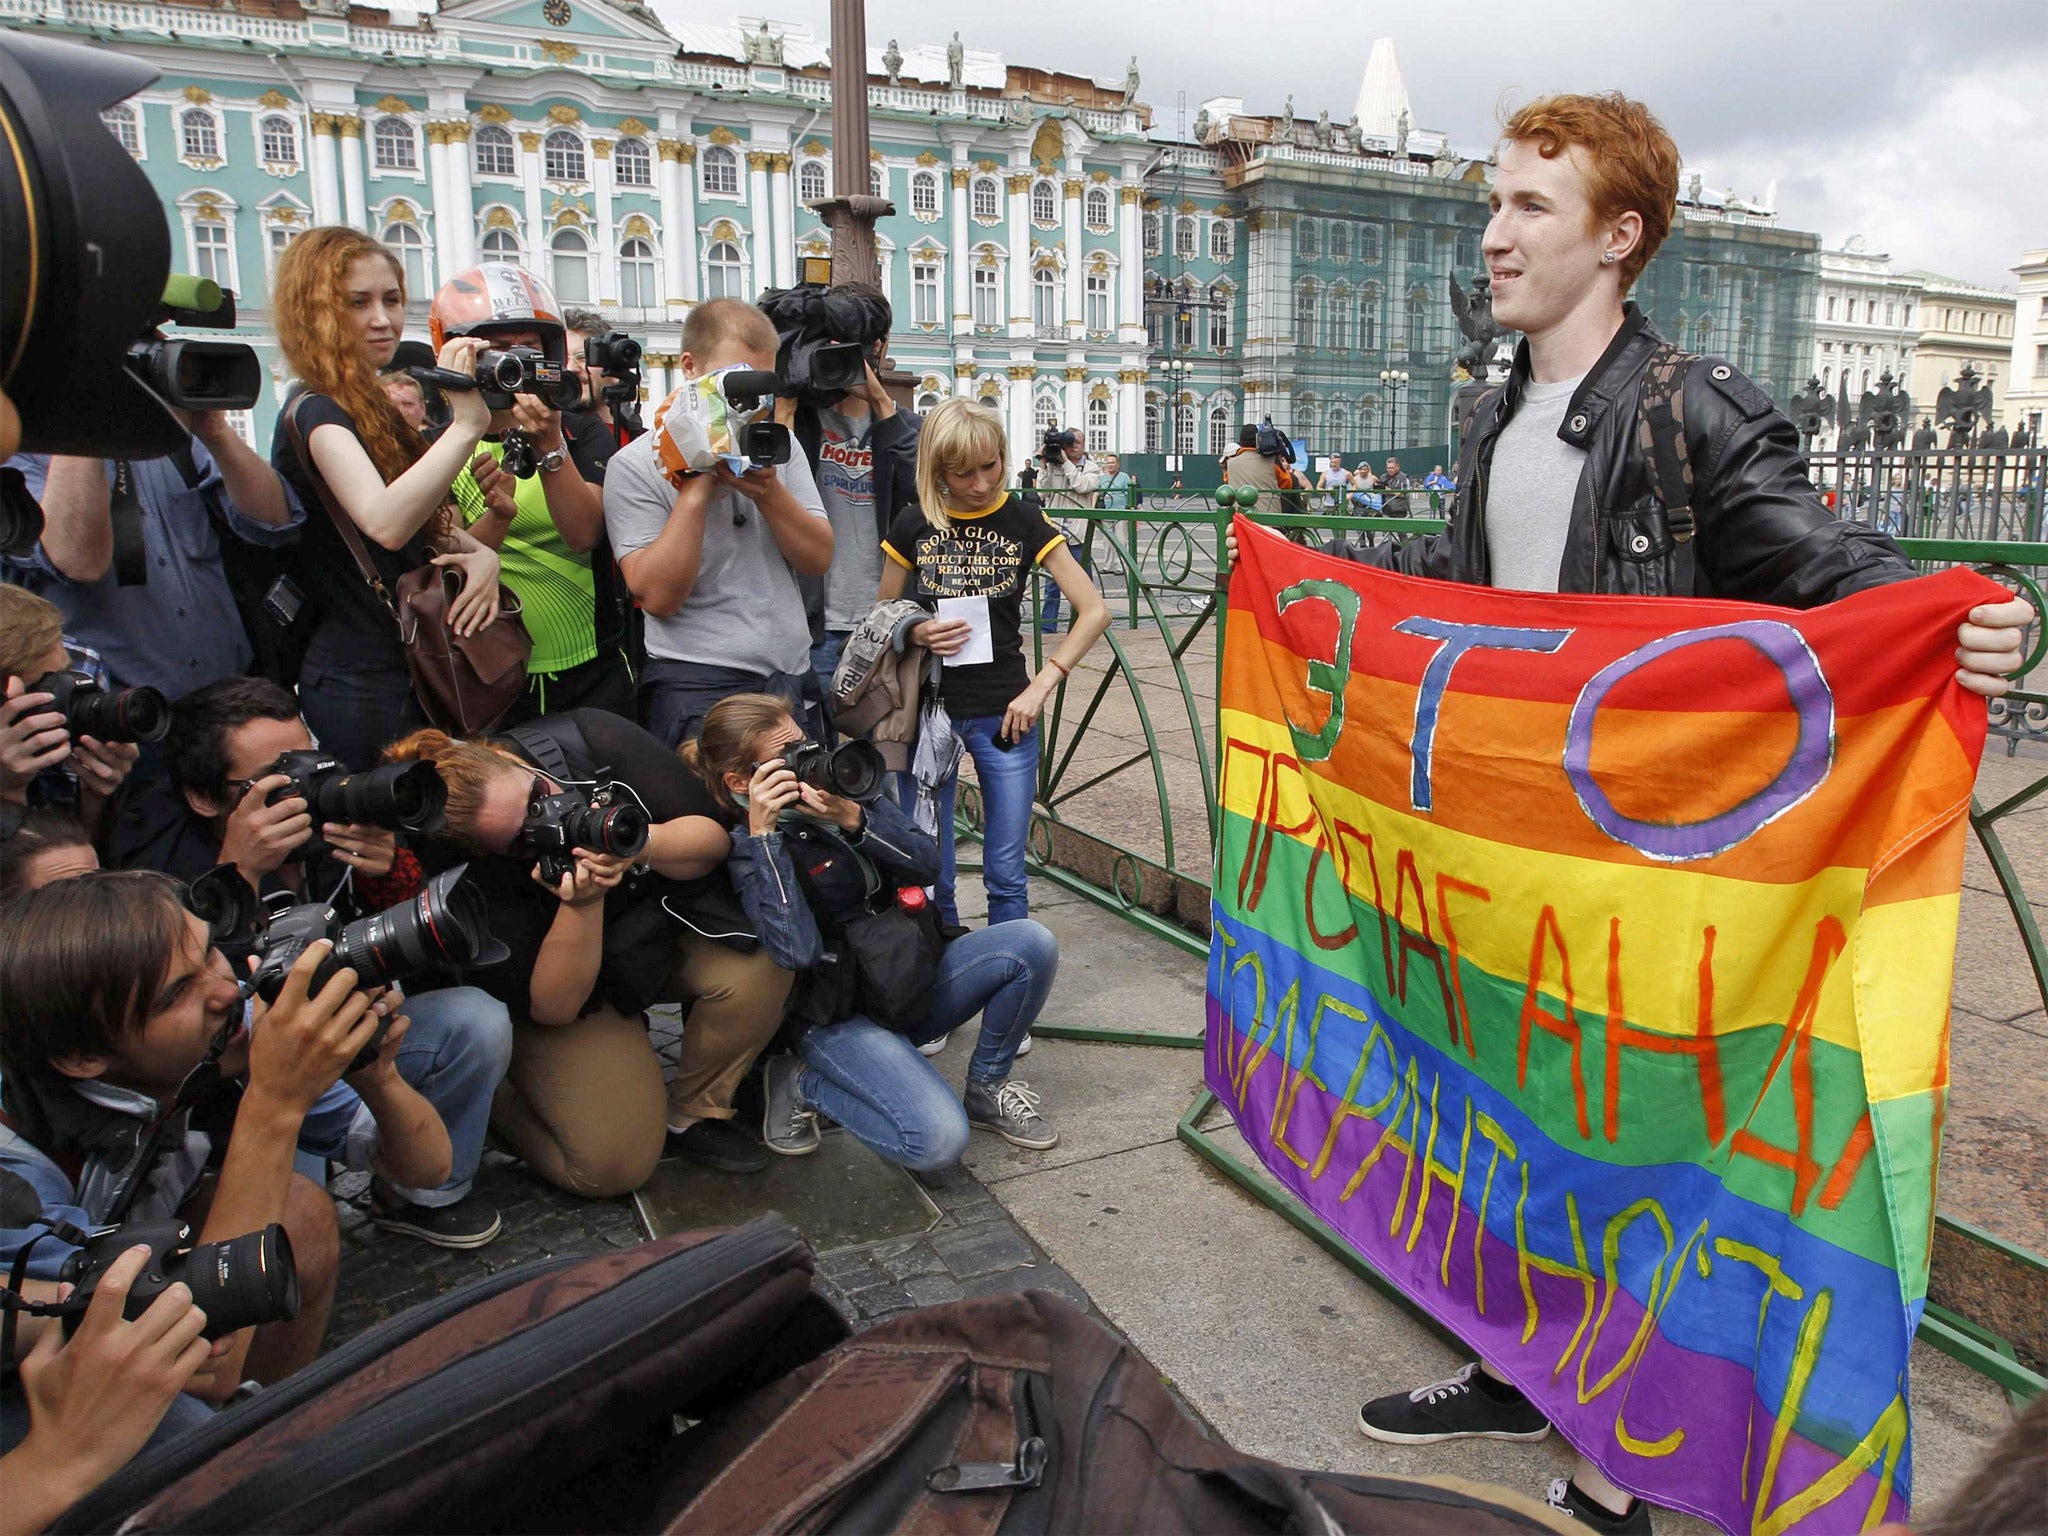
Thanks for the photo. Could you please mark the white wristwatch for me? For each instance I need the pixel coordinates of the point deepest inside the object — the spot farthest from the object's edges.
(553, 461)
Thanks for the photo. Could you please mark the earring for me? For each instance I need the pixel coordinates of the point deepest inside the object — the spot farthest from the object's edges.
(1607, 258)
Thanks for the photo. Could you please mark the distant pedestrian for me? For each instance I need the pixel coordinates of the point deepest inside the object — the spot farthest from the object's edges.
(1335, 482)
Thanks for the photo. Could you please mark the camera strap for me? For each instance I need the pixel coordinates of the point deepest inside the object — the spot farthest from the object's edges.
(124, 512)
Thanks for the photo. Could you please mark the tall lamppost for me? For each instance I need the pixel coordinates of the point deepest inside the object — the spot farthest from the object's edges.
(1392, 382)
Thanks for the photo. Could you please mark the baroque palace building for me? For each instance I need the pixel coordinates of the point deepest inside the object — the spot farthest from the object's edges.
(1048, 252)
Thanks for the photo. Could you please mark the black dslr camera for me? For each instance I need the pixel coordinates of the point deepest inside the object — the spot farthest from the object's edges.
(558, 824)
(853, 769)
(827, 336)
(124, 714)
(242, 1283)
(404, 797)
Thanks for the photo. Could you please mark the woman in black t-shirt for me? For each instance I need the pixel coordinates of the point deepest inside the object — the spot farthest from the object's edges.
(972, 539)
(339, 298)
(583, 1102)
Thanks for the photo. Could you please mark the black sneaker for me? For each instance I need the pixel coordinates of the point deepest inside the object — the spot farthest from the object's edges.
(470, 1222)
(1457, 1408)
(721, 1145)
(1566, 1496)
(788, 1125)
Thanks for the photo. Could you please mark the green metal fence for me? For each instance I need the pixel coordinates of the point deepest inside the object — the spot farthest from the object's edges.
(1158, 566)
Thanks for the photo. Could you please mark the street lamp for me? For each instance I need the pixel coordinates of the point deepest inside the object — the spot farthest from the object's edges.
(1392, 382)
(1176, 370)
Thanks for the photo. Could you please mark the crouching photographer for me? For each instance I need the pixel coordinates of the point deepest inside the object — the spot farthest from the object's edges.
(834, 884)
(257, 797)
(65, 738)
(601, 859)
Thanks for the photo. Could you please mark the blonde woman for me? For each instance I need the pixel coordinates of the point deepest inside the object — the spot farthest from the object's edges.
(971, 538)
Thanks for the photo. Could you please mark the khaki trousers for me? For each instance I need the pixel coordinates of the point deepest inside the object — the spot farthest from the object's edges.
(583, 1103)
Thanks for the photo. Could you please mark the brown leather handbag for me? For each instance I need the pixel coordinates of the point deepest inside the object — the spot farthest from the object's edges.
(465, 683)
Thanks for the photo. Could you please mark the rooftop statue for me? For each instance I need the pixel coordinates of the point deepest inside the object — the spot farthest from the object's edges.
(892, 61)
(956, 63)
(764, 48)
(1131, 82)
(1401, 125)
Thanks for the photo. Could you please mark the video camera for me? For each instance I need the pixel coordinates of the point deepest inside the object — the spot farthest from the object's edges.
(444, 927)
(598, 819)
(716, 418)
(854, 769)
(191, 374)
(124, 714)
(502, 372)
(827, 337)
(403, 797)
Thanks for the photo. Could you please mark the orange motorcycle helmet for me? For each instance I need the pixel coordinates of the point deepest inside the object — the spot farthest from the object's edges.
(496, 297)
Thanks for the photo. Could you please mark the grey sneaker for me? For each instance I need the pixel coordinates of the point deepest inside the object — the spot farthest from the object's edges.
(786, 1125)
(1010, 1109)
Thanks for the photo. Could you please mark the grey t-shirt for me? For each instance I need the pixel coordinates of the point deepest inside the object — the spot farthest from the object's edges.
(1529, 490)
(745, 611)
(846, 484)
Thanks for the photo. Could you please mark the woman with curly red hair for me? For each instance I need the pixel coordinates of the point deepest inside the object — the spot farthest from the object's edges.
(339, 298)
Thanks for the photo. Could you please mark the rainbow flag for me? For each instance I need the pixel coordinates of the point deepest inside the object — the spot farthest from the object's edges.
(1584, 962)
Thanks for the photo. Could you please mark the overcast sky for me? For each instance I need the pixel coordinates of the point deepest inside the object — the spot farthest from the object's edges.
(1922, 127)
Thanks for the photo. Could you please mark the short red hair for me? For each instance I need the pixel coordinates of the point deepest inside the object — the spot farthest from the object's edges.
(1631, 163)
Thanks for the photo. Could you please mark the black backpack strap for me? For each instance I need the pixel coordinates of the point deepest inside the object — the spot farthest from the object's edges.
(1660, 430)
(557, 747)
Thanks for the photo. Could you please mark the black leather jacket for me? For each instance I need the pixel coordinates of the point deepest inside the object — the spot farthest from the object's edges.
(1764, 534)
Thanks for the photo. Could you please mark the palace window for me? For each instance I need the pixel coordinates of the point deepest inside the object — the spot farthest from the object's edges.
(1184, 417)
(986, 296)
(1098, 426)
(723, 271)
(1337, 430)
(986, 196)
(1152, 435)
(1305, 240)
(632, 165)
(878, 181)
(199, 135)
(1466, 255)
(125, 127)
(1369, 323)
(571, 261)
(1371, 244)
(1095, 208)
(721, 171)
(637, 286)
(499, 245)
(1418, 247)
(1152, 235)
(810, 182)
(1045, 299)
(1221, 438)
(1339, 241)
(1045, 203)
(924, 194)
(210, 251)
(924, 293)
(1305, 315)
(394, 146)
(1338, 326)
(410, 247)
(561, 157)
(1219, 319)
(1186, 238)
(1045, 413)
(1219, 240)
(280, 139)
(1096, 298)
(493, 149)
(1418, 323)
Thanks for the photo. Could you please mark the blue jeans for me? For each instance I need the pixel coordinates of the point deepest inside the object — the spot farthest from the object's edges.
(455, 1055)
(1009, 781)
(873, 1081)
(356, 715)
(824, 662)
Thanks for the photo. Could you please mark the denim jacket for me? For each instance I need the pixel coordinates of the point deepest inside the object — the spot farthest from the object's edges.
(763, 871)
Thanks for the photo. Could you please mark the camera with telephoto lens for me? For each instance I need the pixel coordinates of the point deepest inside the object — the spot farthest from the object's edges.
(617, 355)
(558, 824)
(854, 769)
(122, 714)
(826, 337)
(244, 1282)
(444, 927)
(1053, 447)
(402, 797)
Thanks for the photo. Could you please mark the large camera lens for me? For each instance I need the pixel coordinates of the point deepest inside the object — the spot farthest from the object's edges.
(242, 1283)
(199, 375)
(396, 795)
(853, 769)
(127, 714)
(620, 830)
(21, 516)
(447, 924)
(504, 371)
(838, 368)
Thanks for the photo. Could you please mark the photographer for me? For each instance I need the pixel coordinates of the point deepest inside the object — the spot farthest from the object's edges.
(169, 620)
(810, 867)
(1245, 465)
(339, 299)
(597, 427)
(544, 524)
(1066, 479)
(609, 936)
(41, 762)
(115, 995)
(714, 558)
(232, 810)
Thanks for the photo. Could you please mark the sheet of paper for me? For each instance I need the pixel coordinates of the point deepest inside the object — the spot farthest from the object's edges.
(980, 647)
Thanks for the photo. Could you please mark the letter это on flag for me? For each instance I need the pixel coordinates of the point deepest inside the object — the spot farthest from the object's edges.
(1585, 963)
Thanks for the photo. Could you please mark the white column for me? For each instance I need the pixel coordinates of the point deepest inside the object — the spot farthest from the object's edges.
(1130, 275)
(1077, 319)
(355, 204)
(447, 260)
(1130, 412)
(1023, 436)
(763, 209)
(679, 218)
(783, 196)
(1019, 317)
(607, 285)
(324, 171)
(536, 238)
(1073, 401)
(458, 223)
(963, 322)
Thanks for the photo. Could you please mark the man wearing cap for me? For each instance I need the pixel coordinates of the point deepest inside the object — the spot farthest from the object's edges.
(1068, 480)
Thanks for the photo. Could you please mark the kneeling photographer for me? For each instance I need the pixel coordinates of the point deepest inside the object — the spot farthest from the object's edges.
(254, 794)
(834, 883)
(66, 740)
(601, 862)
(143, 1084)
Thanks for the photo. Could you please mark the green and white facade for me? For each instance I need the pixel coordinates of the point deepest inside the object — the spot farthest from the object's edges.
(1047, 253)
